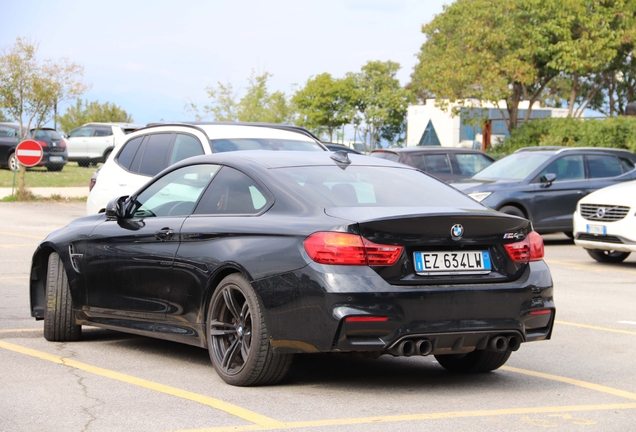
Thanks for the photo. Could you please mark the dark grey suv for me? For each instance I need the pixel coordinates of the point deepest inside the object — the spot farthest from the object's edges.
(544, 184)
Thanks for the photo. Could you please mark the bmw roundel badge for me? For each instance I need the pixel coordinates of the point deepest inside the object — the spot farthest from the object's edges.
(457, 231)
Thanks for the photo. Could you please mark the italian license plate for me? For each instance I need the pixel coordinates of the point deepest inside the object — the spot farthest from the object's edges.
(56, 159)
(596, 229)
(452, 262)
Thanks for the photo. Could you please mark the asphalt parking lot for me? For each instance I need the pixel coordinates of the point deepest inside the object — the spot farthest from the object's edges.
(582, 379)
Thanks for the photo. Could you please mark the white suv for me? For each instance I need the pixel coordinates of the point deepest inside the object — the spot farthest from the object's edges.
(93, 142)
(149, 150)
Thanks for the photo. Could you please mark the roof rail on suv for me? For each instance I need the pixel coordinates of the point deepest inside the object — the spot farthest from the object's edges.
(289, 127)
(563, 149)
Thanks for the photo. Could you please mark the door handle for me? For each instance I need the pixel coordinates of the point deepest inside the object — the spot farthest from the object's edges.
(164, 234)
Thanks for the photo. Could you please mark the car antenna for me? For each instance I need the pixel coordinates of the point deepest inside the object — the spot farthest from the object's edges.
(342, 158)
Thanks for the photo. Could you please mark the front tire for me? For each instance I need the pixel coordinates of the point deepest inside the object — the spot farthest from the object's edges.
(607, 256)
(237, 337)
(478, 361)
(59, 318)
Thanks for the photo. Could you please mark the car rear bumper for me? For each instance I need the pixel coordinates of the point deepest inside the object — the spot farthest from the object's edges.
(307, 311)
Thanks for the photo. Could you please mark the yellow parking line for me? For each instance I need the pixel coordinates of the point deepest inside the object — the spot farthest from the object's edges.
(587, 326)
(21, 235)
(229, 408)
(20, 330)
(414, 417)
(575, 382)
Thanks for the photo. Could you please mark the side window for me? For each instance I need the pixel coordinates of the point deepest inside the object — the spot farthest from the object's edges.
(127, 153)
(7, 132)
(103, 131)
(155, 157)
(232, 192)
(81, 132)
(185, 146)
(174, 194)
(603, 166)
(566, 168)
(418, 162)
(437, 164)
(627, 164)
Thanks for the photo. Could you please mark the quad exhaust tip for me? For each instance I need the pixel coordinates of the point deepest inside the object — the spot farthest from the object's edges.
(424, 347)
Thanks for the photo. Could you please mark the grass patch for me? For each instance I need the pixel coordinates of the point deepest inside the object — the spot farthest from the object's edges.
(32, 197)
(71, 176)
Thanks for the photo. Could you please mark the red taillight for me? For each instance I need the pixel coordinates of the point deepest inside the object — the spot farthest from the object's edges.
(91, 185)
(349, 249)
(62, 143)
(366, 319)
(541, 312)
(529, 249)
(43, 144)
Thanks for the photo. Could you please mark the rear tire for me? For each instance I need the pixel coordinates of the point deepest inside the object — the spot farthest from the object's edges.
(512, 210)
(59, 317)
(237, 337)
(54, 168)
(607, 256)
(84, 163)
(478, 361)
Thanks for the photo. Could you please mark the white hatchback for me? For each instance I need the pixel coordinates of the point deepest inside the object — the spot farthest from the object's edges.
(148, 151)
(605, 222)
(93, 142)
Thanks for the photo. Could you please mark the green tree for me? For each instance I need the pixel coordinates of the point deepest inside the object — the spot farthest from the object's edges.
(325, 103)
(85, 112)
(491, 50)
(381, 103)
(30, 88)
(257, 105)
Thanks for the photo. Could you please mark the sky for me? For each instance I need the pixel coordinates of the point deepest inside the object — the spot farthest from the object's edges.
(151, 58)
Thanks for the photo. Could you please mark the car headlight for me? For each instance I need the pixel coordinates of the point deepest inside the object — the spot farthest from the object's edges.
(479, 196)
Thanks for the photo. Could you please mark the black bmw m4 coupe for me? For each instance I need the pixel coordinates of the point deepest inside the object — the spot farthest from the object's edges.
(260, 255)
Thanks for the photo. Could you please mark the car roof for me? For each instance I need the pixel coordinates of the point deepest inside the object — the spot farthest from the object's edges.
(124, 125)
(425, 149)
(283, 159)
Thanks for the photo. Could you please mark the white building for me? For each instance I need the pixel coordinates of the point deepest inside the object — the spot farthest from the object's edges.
(430, 125)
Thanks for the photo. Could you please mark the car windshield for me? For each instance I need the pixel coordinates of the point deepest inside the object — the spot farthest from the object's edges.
(360, 186)
(517, 166)
(234, 144)
(46, 134)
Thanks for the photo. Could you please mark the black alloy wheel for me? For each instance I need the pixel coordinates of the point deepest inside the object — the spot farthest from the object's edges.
(238, 341)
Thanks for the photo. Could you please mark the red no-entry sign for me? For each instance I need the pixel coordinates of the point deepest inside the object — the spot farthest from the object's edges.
(29, 153)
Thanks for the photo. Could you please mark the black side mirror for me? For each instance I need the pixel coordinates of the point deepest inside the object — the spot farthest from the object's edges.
(548, 179)
(116, 208)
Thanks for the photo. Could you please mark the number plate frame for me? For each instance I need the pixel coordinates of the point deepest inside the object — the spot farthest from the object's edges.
(450, 263)
(596, 229)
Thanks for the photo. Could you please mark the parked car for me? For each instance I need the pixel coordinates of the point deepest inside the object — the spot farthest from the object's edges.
(605, 222)
(93, 142)
(544, 184)
(151, 149)
(258, 255)
(445, 163)
(54, 154)
(335, 147)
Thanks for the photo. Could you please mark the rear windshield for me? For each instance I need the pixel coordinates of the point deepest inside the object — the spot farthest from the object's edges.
(234, 144)
(46, 134)
(386, 155)
(372, 186)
